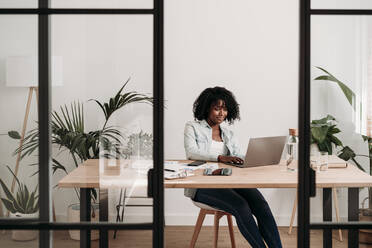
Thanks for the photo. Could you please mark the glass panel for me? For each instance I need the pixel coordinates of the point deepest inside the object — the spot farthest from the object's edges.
(341, 4)
(113, 4)
(19, 238)
(99, 123)
(198, 56)
(341, 89)
(18, 4)
(18, 101)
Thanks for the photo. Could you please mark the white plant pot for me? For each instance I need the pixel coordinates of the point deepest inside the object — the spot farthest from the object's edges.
(314, 150)
(73, 215)
(24, 235)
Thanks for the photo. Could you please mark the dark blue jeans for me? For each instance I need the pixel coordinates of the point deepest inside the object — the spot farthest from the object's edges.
(242, 204)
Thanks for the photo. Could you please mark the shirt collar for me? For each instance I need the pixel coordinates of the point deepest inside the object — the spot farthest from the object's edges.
(205, 123)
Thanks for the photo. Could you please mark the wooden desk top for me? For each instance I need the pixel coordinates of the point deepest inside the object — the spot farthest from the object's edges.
(87, 176)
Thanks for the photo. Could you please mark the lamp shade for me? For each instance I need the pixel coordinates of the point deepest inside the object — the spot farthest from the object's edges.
(22, 71)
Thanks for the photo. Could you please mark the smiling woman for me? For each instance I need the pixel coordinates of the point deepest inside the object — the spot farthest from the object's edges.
(206, 139)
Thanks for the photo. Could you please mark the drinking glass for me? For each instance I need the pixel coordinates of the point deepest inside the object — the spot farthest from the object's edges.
(323, 161)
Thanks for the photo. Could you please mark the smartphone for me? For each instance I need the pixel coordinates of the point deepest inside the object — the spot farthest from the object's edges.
(196, 163)
(217, 172)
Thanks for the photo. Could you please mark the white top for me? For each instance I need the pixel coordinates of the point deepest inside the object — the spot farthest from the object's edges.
(218, 148)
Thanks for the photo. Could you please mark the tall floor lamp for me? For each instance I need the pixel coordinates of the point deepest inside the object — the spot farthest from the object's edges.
(22, 71)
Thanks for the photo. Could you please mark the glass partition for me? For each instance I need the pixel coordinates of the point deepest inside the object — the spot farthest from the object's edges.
(19, 108)
(102, 118)
(340, 128)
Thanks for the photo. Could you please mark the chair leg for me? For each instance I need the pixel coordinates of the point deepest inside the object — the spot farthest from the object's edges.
(198, 226)
(335, 199)
(293, 214)
(231, 230)
(217, 216)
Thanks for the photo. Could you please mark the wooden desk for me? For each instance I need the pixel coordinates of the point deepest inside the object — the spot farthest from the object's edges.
(86, 177)
(272, 176)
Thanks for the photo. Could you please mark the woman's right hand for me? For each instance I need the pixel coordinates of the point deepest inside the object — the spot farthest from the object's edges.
(230, 159)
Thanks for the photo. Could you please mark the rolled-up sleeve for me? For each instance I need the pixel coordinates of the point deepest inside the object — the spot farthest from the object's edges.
(191, 147)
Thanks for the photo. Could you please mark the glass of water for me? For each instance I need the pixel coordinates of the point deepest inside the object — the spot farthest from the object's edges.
(323, 161)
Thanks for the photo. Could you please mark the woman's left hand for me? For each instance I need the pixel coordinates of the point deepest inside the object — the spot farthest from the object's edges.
(230, 159)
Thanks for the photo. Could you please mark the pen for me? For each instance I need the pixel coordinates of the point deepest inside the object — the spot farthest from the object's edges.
(169, 170)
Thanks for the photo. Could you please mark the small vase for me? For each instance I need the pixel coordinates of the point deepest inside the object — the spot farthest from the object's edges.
(24, 235)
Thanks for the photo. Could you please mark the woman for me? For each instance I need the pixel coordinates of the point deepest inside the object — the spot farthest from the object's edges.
(206, 139)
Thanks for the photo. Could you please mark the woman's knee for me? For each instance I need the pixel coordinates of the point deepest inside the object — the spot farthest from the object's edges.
(242, 209)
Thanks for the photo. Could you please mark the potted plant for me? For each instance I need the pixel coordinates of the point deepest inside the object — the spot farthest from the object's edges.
(323, 134)
(323, 139)
(23, 204)
(365, 236)
(139, 145)
(69, 133)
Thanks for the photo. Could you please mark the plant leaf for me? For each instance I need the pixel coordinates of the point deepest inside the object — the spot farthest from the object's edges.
(14, 135)
(349, 94)
(7, 192)
(346, 153)
(335, 140)
(319, 133)
(15, 177)
(9, 205)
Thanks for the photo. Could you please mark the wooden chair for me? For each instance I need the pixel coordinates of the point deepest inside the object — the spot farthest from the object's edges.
(336, 208)
(218, 214)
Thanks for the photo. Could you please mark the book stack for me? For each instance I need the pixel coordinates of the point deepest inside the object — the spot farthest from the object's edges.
(336, 162)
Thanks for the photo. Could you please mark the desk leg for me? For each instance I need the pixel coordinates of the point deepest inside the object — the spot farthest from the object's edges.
(85, 205)
(103, 217)
(353, 207)
(327, 216)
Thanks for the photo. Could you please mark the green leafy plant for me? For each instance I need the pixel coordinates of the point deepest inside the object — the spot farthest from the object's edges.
(24, 201)
(323, 133)
(69, 134)
(347, 153)
(139, 144)
(349, 94)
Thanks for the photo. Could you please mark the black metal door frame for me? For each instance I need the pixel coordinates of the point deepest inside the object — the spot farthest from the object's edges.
(306, 176)
(44, 223)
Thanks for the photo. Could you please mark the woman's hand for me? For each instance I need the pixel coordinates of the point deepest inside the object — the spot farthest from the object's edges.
(230, 159)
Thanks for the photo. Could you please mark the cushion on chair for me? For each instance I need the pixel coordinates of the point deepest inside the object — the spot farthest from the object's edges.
(204, 206)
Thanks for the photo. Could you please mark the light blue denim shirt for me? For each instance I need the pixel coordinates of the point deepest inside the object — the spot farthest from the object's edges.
(197, 142)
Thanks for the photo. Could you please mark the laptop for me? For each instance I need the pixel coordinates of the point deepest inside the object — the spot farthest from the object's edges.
(263, 151)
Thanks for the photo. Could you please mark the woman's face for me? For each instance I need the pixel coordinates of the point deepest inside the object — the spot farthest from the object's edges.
(217, 112)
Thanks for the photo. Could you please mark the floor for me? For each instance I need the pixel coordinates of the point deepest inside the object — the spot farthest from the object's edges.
(176, 237)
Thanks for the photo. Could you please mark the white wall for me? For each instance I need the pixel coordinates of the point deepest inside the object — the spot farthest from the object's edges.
(249, 47)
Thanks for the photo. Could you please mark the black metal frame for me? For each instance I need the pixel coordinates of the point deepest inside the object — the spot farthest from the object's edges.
(306, 176)
(44, 223)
